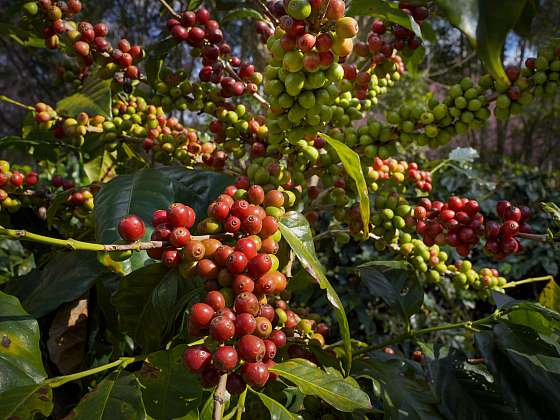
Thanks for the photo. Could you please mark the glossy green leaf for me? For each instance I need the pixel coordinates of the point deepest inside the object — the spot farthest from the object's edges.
(94, 98)
(194, 4)
(276, 410)
(524, 25)
(550, 296)
(297, 233)
(149, 300)
(403, 392)
(351, 161)
(385, 10)
(243, 13)
(156, 56)
(461, 14)
(67, 276)
(494, 24)
(167, 386)
(464, 392)
(20, 354)
(395, 284)
(197, 188)
(21, 36)
(117, 396)
(99, 168)
(140, 193)
(332, 389)
(26, 402)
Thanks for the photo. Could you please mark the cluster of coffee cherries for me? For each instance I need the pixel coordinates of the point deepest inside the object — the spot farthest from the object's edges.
(389, 217)
(465, 276)
(385, 38)
(13, 181)
(399, 172)
(45, 116)
(264, 30)
(501, 238)
(457, 223)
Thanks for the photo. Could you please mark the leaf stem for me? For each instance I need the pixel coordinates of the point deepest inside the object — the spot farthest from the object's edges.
(527, 281)
(170, 9)
(241, 405)
(76, 245)
(61, 380)
(219, 397)
(16, 103)
(535, 237)
(413, 333)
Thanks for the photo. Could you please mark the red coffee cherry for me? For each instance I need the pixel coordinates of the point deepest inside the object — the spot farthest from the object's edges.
(179, 237)
(252, 224)
(216, 300)
(207, 269)
(278, 337)
(32, 178)
(269, 246)
(269, 226)
(242, 284)
(222, 329)
(180, 215)
(232, 224)
(265, 285)
(245, 324)
(159, 217)
(236, 262)
(274, 198)
(247, 246)
(251, 348)
(197, 358)
(226, 313)
(270, 350)
(267, 311)
(225, 358)
(246, 303)
(259, 265)
(235, 384)
(240, 209)
(222, 253)
(202, 314)
(171, 257)
(193, 250)
(131, 228)
(210, 377)
(255, 374)
(219, 210)
(264, 327)
(510, 228)
(256, 194)
(513, 213)
(322, 329)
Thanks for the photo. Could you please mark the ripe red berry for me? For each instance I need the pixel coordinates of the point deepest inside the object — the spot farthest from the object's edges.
(32, 178)
(252, 224)
(501, 207)
(492, 230)
(16, 179)
(246, 303)
(180, 215)
(216, 300)
(240, 209)
(171, 257)
(513, 213)
(251, 348)
(236, 262)
(269, 226)
(235, 384)
(222, 329)
(197, 358)
(255, 374)
(278, 337)
(267, 311)
(202, 313)
(131, 228)
(202, 16)
(270, 350)
(207, 269)
(259, 265)
(245, 324)
(247, 246)
(242, 284)
(210, 377)
(255, 194)
(193, 250)
(179, 237)
(510, 228)
(265, 285)
(219, 210)
(274, 198)
(225, 358)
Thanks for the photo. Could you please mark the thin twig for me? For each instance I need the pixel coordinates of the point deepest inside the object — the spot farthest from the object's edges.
(219, 394)
(231, 71)
(168, 7)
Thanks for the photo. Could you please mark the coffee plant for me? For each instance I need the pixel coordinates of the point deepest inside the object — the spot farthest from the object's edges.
(218, 240)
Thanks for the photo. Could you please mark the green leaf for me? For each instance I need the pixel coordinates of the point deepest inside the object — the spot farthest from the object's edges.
(20, 354)
(20, 36)
(243, 13)
(404, 394)
(353, 167)
(194, 4)
(524, 25)
(465, 393)
(197, 188)
(550, 296)
(397, 286)
(156, 56)
(67, 276)
(140, 193)
(297, 233)
(166, 386)
(494, 24)
(115, 397)
(26, 402)
(94, 99)
(98, 168)
(149, 300)
(461, 14)
(332, 389)
(385, 10)
(276, 410)
(56, 204)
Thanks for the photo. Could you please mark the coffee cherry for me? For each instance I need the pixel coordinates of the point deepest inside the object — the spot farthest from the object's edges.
(222, 253)
(159, 217)
(240, 209)
(274, 198)
(193, 250)
(264, 327)
(259, 265)
(235, 384)
(270, 350)
(180, 215)
(216, 300)
(265, 285)
(171, 257)
(219, 210)
(247, 246)
(246, 303)
(256, 195)
(255, 374)
(32, 178)
(225, 358)
(131, 228)
(197, 358)
(16, 179)
(245, 324)
(252, 224)
(242, 284)
(512, 213)
(222, 329)
(278, 337)
(210, 377)
(269, 226)
(510, 228)
(251, 348)
(202, 314)
(207, 269)
(236, 262)
(179, 237)
(210, 246)
(232, 224)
